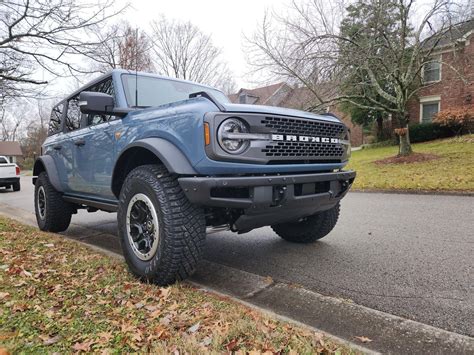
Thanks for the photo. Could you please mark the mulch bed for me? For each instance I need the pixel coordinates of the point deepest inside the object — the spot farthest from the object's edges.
(412, 158)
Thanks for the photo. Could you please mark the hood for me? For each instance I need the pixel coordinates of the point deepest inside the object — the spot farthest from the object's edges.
(273, 110)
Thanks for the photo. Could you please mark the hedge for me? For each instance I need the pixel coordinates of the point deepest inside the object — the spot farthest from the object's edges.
(423, 132)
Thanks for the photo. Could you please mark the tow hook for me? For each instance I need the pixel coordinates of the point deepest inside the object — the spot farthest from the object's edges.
(279, 195)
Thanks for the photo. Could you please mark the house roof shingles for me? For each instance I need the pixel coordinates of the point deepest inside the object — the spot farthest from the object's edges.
(10, 149)
(262, 94)
(450, 36)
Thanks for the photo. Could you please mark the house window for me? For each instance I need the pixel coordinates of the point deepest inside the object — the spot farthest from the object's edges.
(428, 109)
(432, 71)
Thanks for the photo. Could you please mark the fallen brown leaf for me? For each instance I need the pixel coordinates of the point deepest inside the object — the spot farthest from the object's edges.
(84, 346)
(105, 337)
(363, 339)
(47, 340)
(230, 346)
(31, 291)
(5, 336)
(19, 307)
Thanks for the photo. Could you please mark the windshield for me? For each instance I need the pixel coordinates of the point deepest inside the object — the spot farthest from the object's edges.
(154, 91)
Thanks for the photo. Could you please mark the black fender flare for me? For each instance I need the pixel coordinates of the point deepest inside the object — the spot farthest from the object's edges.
(46, 163)
(170, 155)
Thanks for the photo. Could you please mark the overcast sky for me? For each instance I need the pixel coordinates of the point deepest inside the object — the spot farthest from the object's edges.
(224, 20)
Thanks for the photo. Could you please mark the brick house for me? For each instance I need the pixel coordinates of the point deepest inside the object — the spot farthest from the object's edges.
(444, 88)
(284, 95)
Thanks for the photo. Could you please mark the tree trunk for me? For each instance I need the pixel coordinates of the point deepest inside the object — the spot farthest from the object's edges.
(405, 145)
(380, 133)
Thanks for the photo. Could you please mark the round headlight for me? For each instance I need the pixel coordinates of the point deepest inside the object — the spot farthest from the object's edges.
(228, 136)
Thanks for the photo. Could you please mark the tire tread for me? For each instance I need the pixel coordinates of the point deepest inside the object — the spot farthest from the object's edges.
(58, 211)
(183, 226)
(312, 229)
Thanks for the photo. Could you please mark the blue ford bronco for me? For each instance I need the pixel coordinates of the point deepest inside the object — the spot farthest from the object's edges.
(176, 159)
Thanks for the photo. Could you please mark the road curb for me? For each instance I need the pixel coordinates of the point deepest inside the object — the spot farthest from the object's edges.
(338, 319)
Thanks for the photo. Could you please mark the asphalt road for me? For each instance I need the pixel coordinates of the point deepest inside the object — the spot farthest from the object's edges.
(409, 255)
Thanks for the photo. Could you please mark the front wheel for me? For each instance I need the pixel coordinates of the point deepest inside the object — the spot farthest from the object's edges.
(309, 229)
(162, 234)
(53, 214)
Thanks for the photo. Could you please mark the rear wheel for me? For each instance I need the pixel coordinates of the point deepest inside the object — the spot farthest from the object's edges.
(162, 234)
(309, 229)
(53, 214)
(16, 186)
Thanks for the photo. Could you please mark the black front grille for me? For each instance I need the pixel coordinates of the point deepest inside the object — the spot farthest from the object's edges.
(304, 127)
(304, 150)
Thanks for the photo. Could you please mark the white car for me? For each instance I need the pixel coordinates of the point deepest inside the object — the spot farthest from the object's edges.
(9, 174)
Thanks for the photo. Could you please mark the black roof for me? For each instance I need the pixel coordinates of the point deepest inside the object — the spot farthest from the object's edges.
(450, 36)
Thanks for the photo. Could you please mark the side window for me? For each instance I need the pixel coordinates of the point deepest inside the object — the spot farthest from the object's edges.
(432, 71)
(55, 119)
(3, 161)
(73, 115)
(105, 87)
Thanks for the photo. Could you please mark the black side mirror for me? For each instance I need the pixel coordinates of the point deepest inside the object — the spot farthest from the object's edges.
(96, 103)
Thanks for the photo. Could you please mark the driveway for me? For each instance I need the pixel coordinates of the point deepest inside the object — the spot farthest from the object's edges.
(408, 255)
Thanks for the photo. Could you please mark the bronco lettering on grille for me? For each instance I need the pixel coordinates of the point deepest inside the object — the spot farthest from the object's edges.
(311, 139)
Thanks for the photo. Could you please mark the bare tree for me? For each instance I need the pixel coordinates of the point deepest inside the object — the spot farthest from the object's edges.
(182, 50)
(47, 35)
(124, 47)
(36, 131)
(14, 119)
(308, 47)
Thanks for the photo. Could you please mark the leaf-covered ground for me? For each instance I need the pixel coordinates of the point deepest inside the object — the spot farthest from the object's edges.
(57, 296)
(453, 170)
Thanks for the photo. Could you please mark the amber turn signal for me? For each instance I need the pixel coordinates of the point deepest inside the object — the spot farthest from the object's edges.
(207, 134)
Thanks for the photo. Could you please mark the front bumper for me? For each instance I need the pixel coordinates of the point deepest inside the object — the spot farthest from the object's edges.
(270, 199)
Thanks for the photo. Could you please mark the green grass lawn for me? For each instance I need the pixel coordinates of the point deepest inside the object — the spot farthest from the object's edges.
(453, 171)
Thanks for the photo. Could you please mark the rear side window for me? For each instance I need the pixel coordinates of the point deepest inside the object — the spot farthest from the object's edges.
(55, 119)
(3, 161)
(73, 115)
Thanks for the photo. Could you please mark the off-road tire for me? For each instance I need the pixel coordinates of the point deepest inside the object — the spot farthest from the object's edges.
(310, 229)
(57, 215)
(16, 186)
(181, 225)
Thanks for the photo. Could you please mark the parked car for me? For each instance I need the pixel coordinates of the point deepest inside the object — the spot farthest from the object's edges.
(9, 174)
(176, 158)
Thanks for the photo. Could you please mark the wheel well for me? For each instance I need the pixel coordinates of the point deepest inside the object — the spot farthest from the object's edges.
(129, 160)
(38, 168)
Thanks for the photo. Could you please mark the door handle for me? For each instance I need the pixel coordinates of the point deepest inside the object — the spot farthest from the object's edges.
(79, 142)
(57, 147)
